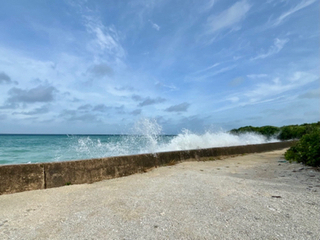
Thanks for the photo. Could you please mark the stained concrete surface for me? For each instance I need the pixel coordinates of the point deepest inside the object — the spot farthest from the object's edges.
(254, 196)
(25, 177)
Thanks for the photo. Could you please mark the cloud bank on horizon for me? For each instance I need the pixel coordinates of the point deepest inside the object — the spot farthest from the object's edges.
(100, 66)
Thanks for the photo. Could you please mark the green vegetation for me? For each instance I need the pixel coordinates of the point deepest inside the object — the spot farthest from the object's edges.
(268, 131)
(297, 131)
(306, 150)
(282, 133)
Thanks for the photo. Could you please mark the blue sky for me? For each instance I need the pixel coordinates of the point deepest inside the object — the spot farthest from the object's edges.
(100, 66)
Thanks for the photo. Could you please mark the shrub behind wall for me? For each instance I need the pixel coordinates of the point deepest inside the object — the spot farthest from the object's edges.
(307, 150)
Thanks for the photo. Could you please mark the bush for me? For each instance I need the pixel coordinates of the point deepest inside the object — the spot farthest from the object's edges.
(307, 150)
(267, 131)
(283, 133)
(297, 131)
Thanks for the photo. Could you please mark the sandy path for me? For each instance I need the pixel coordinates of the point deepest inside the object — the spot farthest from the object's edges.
(255, 196)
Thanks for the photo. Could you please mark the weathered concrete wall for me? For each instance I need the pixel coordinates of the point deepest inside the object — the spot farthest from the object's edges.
(19, 178)
(166, 158)
(93, 170)
(24, 177)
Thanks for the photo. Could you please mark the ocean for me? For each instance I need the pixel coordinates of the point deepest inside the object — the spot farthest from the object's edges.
(32, 148)
(146, 138)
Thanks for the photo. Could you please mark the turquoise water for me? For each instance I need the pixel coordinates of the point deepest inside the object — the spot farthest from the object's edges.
(16, 149)
(48, 148)
(32, 148)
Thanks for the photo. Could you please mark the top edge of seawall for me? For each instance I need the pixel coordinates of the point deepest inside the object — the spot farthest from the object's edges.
(26, 177)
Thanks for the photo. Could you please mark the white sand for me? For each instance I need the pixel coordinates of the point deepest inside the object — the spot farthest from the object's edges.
(254, 196)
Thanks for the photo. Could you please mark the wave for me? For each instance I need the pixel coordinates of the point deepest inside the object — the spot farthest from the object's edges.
(147, 138)
(188, 140)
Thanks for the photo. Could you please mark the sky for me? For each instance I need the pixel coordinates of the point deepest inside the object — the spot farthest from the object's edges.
(99, 67)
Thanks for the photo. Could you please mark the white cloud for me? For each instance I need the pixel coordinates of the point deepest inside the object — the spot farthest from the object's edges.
(275, 2)
(208, 68)
(277, 86)
(101, 70)
(311, 94)
(156, 26)
(170, 87)
(233, 99)
(206, 6)
(37, 94)
(274, 49)
(210, 74)
(254, 76)
(228, 18)
(236, 82)
(96, 66)
(147, 101)
(106, 38)
(136, 112)
(272, 91)
(4, 78)
(36, 111)
(298, 7)
(183, 107)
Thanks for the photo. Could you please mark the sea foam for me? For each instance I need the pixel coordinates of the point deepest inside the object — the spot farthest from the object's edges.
(188, 140)
(147, 137)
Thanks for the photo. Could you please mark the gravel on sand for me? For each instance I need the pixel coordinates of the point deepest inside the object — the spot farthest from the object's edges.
(253, 196)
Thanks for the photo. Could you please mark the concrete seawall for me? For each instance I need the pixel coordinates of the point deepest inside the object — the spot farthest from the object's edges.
(25, 177)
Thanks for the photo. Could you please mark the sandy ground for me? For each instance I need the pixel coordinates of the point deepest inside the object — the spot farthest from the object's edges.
(256, 196)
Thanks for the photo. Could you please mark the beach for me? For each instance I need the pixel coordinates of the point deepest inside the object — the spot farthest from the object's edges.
(252, 196)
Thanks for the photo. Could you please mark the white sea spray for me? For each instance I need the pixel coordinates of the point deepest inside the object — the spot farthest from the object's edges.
(188, 140)
(146, 137)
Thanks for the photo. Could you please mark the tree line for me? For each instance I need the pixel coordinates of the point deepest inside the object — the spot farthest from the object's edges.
(306, 150)
(287, 132)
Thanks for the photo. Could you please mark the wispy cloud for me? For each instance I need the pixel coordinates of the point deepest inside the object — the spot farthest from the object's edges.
(154, 25)
(101, 108)
(151, 101)
(278, 86)
(255, 76)
(85, 107)
(170, 87)
(75, 116)
(301, 5)
(4, 78)
(206, 6)
(106, 38)
(136, 112)
(183, 107)
(310, 94)
(206, 69)
(272, 91)
(208, 74)
(228, 18)
(278, 44)
(147, 101)
(233, 99)
(202, 56)
(101, 70)
(38, 94)
(236, 81)
(36, 111)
